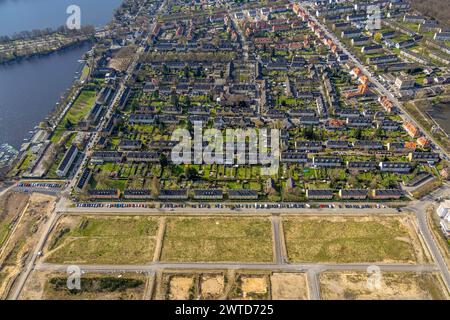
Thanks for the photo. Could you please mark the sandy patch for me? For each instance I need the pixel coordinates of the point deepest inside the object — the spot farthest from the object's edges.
(180, 287)
(252, 286)
(289, 286)
(212, 286)
(387, 286)
(24, 236)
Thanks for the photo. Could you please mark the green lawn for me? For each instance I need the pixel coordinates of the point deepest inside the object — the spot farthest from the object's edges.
(77, 112)
(81, 107)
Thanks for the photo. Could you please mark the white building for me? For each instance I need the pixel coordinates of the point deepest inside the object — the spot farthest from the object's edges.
(444, 213)
(444, 209)
(403, 82)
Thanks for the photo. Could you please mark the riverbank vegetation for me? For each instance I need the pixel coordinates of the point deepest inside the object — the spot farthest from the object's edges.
(41, 42)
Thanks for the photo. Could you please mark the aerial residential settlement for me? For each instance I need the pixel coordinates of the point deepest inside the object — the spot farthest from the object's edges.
(358, 94)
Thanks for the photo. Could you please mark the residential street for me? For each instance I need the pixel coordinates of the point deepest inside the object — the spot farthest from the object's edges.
(375, 81)
(133, 177)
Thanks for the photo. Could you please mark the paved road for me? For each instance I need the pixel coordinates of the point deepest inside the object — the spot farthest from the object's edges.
(150, 286)
(155, 266)
(122, 86)
(312, 270)
(30, 265)
(4, 191)
(313, 285)
(278, 251)
(280, 263)
(203, 211)
(375, 81)
(420, 209)
(242, 38)
(421, 205)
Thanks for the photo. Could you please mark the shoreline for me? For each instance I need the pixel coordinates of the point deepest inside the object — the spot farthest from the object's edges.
(4, 170)
(20, 59)
(92, 40)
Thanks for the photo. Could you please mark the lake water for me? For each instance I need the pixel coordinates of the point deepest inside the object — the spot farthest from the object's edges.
(29, 89)
(23, 15)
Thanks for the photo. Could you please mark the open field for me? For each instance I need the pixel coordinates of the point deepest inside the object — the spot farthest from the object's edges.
(187, 286)
(212, 286)
(289, 286)
(426, 188)
(53, 286)
(388, 286)
(416, 109)
(111, 240)
(179, 285)
(251, 286)
(11, 206)
(217, 239)
(353, 239)
(24, 233)
(80, 108)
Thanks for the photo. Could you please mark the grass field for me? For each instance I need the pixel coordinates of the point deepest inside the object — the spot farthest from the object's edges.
(109, 240)
(386, 286)
(81, 107)
(85, 73)
(77, 112)
(352, 240)
(217, 239)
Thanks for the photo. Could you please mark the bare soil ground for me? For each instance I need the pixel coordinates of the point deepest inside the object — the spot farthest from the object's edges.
(212, 286)
(11, 206)
(289, 286)
(180, 287)
(231, 284)
(122, 59)
(388, 286)
(190, 285)
(23, 238)
(251, 287)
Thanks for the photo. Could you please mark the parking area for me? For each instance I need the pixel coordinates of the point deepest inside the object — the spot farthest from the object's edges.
(31, 186)
(232, 206)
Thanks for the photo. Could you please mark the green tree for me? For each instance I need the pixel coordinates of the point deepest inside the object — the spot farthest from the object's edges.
(191, 174)
(358, 134)
(68, 125)
(174, 99)
(377, 37)
(163, 160)
(187, 71)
